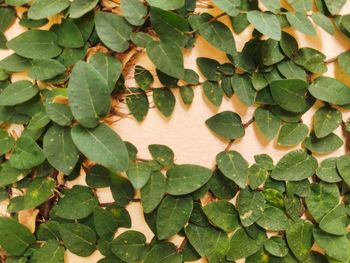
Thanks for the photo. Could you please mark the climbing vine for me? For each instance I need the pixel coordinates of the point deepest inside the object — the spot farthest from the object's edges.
(78, 57)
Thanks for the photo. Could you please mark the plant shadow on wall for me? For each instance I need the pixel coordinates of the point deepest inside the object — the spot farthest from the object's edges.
(56, 126)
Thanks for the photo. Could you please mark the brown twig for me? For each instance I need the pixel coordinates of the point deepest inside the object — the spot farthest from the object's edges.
(246, 125)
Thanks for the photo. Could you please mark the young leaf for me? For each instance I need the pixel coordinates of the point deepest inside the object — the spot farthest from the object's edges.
(172, 214)
(167, 57)
(113, 31)
(36, 44)
(265, 23)
(60, 150)
(102, 145)
(186, 178)
(295, 166)
(233, 166)
(88, 95)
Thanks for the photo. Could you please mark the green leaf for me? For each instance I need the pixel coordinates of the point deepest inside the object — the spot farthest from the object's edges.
(162, 154)
(98, 177)
(271, 52)
(242, 85)
(257, 175)
(164, 252)
(60, 150)
(36, 44)
(273, 219)
(186, 178)
(330, 90)
(300, 239)
(113, 31)
(105, 223)
(141, 39)
(265, 23)
(343, 61)
(336, 247)
(6, 142)
(78, 238)
(167, 57)
(322, 198)
(129, 246)
(221, 186)
(301, 23)
(122, 190)
(17, 93)
(292, 134)
(50, 252)
(43, 8)
(208, 241)
(324, 145)
(334, 6)
(172, 214)
(301, 6)
(3, 41)
(59, 113)
(9, 174)
(230, 7)
(295, 166)
(78, 8)
(164, 101)
(213, 92)
(209, 68)
(134, 11)
(7, 17)
(68, 33)
(15, 238)
(43, 69)
(102, 145)
(222, 214)
(138, 105)
(267, 122)
(77, 203)
(88, 103)
(218, 35)
(166, 5)
(138, 174)
(242, 245)
(311, 60)
(291, 71)
(328, 172)
(335, 221)
(326, 120)
(343, 166)
(169, 26)
(38, 191)
(276, 246)
(153, 192)
(226, 124)
(233, 166)
(324, 22)
(250, 206)
(143, 77)
(290, 94)
(26, 154)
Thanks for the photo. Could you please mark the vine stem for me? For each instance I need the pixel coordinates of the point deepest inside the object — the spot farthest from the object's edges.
(245, 126)
(182, 245)
(331, 60)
